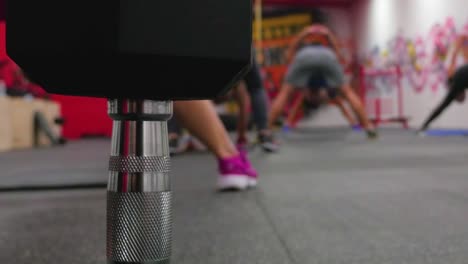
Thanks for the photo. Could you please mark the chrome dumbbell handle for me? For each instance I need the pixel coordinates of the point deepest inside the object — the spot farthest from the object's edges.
(139, 197)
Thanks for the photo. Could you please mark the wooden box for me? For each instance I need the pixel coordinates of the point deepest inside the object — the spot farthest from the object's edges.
(22, 122)
(21, 117)
(6, 133)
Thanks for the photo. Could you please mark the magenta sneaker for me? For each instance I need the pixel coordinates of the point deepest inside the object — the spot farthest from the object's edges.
(232, 174)
(249, 169)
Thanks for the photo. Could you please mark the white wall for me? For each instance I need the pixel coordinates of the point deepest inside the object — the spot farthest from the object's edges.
(340, 20)
(376, 22)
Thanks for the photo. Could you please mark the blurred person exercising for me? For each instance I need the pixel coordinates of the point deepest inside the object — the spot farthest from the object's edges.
(250, 94)
(319, 58)
(457, 81)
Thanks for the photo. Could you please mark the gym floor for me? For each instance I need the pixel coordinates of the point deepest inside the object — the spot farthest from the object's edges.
(329, 196)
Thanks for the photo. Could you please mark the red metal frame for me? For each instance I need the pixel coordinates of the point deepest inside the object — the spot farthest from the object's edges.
(378, 120)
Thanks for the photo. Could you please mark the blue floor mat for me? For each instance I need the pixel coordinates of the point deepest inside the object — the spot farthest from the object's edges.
(447, 132)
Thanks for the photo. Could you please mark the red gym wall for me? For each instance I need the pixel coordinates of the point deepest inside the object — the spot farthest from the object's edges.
(83, 116)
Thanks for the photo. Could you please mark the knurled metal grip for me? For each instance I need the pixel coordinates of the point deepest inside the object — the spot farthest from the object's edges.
(139, 197)
(139, 227)
(139, 164)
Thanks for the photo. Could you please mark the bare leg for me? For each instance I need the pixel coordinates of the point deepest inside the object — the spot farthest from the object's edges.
(357, 107)
(345, 111)
(295, 109)
(279, 103)
(243, 100)
(201, 119)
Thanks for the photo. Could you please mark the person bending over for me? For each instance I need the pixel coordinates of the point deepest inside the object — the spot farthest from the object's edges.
(320, 58)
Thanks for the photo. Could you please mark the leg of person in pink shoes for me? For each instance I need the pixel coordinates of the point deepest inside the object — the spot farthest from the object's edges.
(202, 121)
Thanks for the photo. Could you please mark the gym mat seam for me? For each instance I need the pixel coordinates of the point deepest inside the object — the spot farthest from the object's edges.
(30, 188)
(269, 219)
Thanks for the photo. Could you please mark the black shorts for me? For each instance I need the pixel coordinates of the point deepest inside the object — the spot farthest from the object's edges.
(317, 83)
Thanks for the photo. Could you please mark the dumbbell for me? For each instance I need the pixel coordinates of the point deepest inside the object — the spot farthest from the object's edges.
(140, 55)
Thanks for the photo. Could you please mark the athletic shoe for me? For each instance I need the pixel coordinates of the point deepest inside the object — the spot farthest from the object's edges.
(179, 144)
(421, 133)
(249, 169)
(267, 142)
(372, 134)
(286, 129)
(232, 174)
(59, 142)
(357, 128)
(62, 141)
